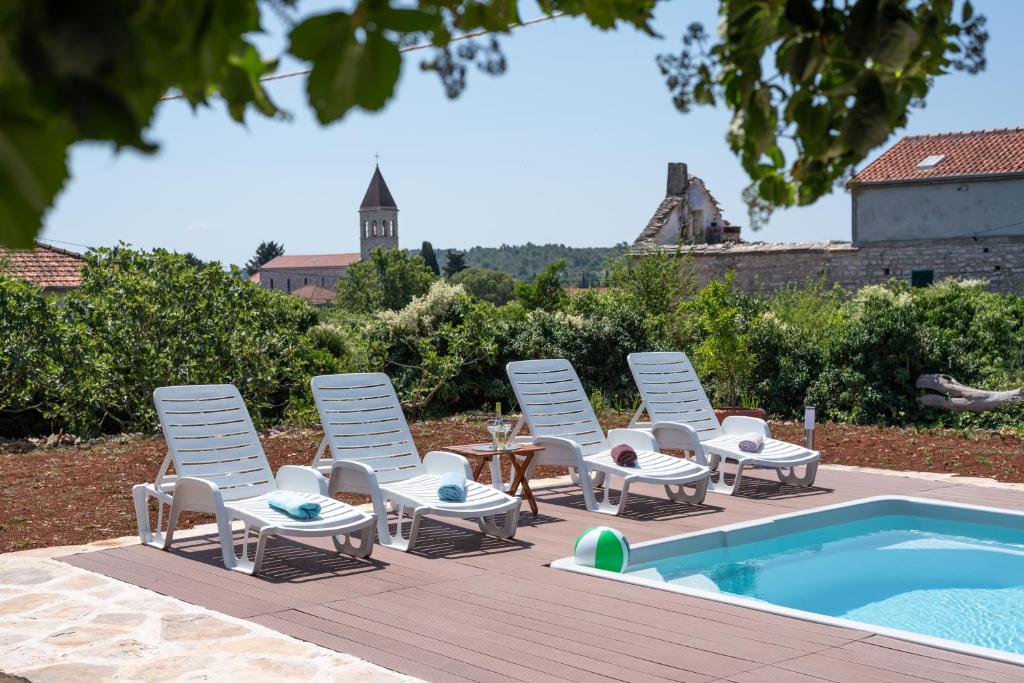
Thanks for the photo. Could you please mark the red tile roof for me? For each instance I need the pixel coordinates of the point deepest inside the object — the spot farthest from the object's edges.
(315, 294)
(44, 266)
(255, 277)
(312, 261)
(969, 153)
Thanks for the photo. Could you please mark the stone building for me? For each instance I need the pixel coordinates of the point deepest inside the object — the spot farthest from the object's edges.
(930, 207)
(378, 217)
(314, 277)
(688, 214)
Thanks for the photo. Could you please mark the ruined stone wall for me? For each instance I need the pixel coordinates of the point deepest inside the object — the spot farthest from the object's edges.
(767, 267)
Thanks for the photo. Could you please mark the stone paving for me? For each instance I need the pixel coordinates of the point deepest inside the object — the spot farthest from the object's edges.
(61, 623)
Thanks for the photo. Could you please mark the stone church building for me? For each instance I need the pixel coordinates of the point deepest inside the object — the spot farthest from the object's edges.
(314, 277)
(930, 207)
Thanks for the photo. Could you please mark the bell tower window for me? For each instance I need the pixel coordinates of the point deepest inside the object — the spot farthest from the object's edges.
(366, 228)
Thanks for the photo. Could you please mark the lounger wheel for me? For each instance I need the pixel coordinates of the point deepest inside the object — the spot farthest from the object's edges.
(365, 547)
(507, 529)
(788, 475)
(681, 494)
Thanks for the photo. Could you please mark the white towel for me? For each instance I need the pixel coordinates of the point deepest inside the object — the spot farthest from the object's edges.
(751, 442)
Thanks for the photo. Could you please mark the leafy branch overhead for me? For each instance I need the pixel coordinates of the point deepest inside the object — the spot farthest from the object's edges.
(824, 82)
(73, 72)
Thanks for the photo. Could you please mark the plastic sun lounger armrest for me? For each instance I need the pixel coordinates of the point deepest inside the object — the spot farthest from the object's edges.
(198, 494)
(637, 439)
(351, 476)
(301, 480)
(736, 425)
(442, 462)
(559, 444)
(670, 433)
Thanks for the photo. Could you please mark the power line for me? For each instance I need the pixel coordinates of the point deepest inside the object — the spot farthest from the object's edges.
(408, 48)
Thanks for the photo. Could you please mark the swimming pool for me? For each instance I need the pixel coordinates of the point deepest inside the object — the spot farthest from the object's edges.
(936, 573)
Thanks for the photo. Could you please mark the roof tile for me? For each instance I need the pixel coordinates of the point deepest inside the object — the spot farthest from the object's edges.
(311, 261)
(969, 153)
(44, 266)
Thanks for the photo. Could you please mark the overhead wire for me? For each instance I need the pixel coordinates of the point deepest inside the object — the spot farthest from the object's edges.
(408, 48)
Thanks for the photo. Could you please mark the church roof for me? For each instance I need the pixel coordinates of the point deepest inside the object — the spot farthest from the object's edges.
(311, 261)
(378, 196)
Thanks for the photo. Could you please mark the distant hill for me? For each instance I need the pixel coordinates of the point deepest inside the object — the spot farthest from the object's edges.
(586, 266)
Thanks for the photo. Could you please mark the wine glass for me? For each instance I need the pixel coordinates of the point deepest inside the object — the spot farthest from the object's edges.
(499, 429)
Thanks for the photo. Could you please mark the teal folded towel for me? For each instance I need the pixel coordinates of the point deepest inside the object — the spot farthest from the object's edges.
(451, 487)
(294, 505)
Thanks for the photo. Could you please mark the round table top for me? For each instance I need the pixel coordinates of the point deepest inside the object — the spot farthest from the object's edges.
(487, 450)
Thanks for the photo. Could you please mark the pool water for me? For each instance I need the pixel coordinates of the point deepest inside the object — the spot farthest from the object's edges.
(928, 573)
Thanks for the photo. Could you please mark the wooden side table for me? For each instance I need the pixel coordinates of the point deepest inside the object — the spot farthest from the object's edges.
(519, 454)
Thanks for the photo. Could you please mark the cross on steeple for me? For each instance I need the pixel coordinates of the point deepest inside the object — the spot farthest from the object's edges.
(376, 159)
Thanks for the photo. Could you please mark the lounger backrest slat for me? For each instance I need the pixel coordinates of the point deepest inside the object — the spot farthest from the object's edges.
(553, 402)
(210, 435)
(363, 421)
(672, 392)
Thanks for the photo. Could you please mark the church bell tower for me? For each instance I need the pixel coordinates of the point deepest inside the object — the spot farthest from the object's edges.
(378, 217)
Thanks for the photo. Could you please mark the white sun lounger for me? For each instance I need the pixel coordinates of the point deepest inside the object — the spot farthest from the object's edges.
(367, 448)
(220, 468)
(681, 417)
(561, 419)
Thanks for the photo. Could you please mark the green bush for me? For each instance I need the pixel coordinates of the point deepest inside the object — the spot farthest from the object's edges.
(485, 285)
(29, 371)
(387, 281)
(89, 362)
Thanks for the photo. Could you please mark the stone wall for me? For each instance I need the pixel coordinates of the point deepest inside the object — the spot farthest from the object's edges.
(765, 267)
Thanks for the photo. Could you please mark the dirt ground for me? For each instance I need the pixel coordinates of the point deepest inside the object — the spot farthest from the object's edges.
(64, 495)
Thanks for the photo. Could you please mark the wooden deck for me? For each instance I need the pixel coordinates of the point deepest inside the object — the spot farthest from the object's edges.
(468, 608)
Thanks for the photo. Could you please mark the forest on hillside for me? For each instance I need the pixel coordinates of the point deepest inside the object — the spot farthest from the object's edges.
(585, 266)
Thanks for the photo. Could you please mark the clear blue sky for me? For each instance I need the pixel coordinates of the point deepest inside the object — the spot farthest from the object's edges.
(569, 146)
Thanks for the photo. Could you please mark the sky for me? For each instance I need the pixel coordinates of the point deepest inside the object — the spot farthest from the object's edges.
(569, 146)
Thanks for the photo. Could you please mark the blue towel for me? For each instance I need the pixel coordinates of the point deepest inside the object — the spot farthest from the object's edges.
(451, 487)
(294, 505)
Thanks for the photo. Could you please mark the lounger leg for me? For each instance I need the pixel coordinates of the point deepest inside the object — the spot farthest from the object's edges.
(788, 475)
(489, 525)
(141, 495)
(396, 540)
(596, 478)
(718, 485)
(365, 547)
(679, 494)
(605, 505)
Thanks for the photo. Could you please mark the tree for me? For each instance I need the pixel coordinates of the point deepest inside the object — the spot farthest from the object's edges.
(72, 72)
(454, 263)
(546, 291)
(485, 285)
(845, 76)
(388, 280)
(658, 282)
(265, 253)
(429, 257)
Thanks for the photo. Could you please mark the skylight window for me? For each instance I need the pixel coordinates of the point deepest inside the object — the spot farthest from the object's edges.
(930, 162)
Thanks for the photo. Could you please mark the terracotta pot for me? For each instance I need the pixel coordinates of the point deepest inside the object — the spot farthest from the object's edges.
(722, 413)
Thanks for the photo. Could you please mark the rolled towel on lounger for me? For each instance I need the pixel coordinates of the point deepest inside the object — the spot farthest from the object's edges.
(624, 456)
(451, 487)
(751, 442)
(294, 505)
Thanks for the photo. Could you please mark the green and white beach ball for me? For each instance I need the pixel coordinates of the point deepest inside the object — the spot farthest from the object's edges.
(602, 547)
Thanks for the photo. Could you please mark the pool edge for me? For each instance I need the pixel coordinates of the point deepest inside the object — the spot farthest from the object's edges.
(569, 564)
